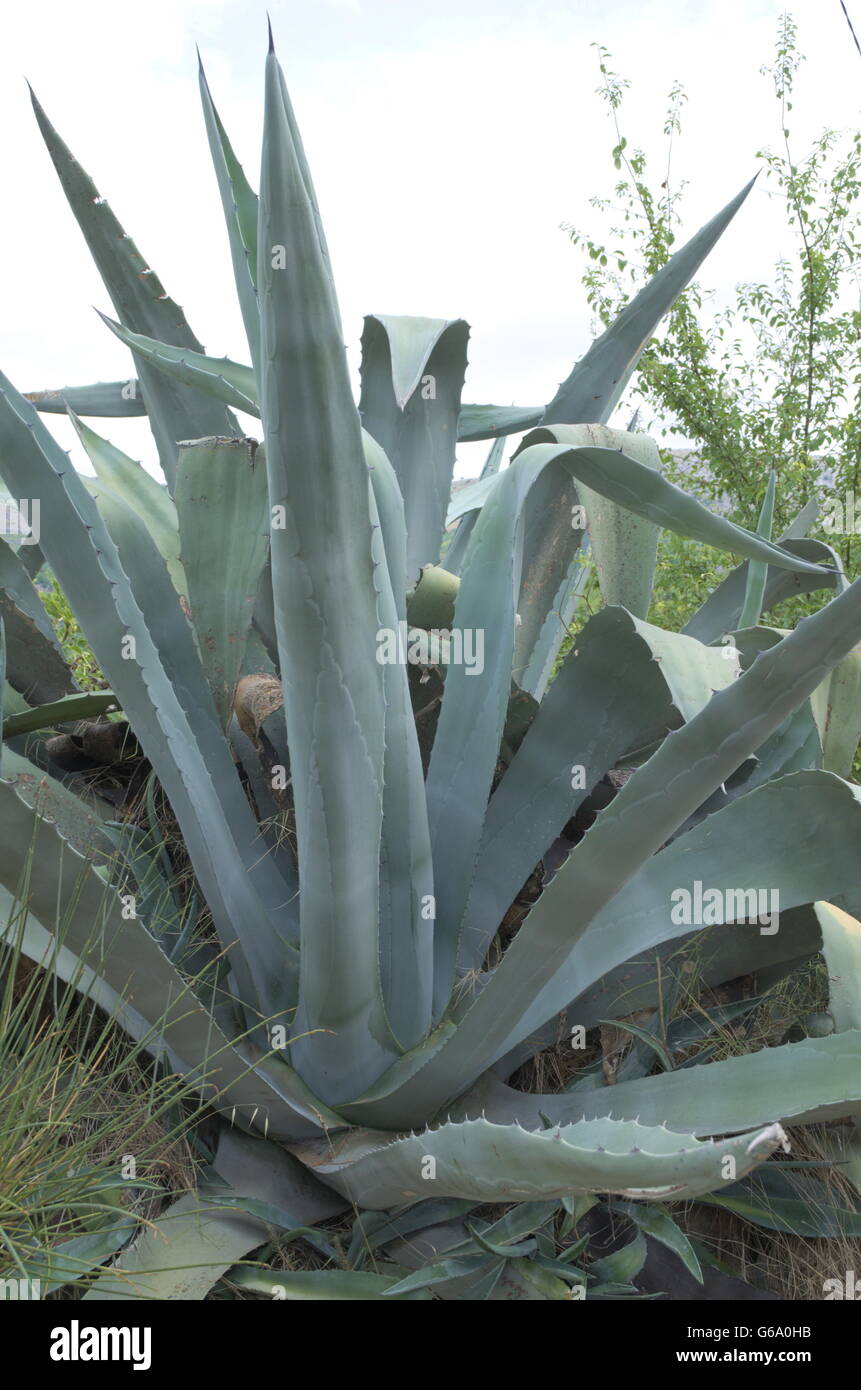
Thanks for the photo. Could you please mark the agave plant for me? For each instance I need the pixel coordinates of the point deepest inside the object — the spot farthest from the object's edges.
(359, 824)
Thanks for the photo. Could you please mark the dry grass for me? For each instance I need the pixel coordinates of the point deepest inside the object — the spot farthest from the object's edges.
(78, 1102)
(794, 1267)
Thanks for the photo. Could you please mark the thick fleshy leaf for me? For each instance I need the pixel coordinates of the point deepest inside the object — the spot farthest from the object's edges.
(115, 399)
(838, 708)
(472, 1276)
(466, 746)
(495, 421)
(781, 1199)
(841, 947)
(142, 867)
(660, 1226)
(429, 1276)
(412, 375)
(624, 545)
(35, 665)
(552, 535)
(537, 674)
(141, 305)
(88, 704)
(457, 547)
(219, 377)
(239, 202)
(804, 1083)
(722, 953)
(222, 506)
(163, 613)
(737, 852)
(373, 1229)
(181, 1255)
(390, 512)
(139, 490)
(471, 722)
(624, 548)
(180, 655)
(793, 747)
(504, 1163)
(803, 522)
(690, 764)
(325, 608)
(264, 1171)
(596, 384)
(76, 924)
(470, 498)
(757, 572)
(593, 389)
(621, 1266)
(721, 612)
(832, 715)
(339, 1285)
(628, 683)
(79, 815)
(245, 892)
(72, 1260)
(626, 481)
(406, 872)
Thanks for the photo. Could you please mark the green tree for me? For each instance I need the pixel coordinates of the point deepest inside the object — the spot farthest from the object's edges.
(774, 379)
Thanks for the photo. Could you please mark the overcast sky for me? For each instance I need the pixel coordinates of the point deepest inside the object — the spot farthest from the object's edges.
(448, 139)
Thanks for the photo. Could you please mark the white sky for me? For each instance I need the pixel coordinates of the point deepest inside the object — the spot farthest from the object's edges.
(448, 139)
